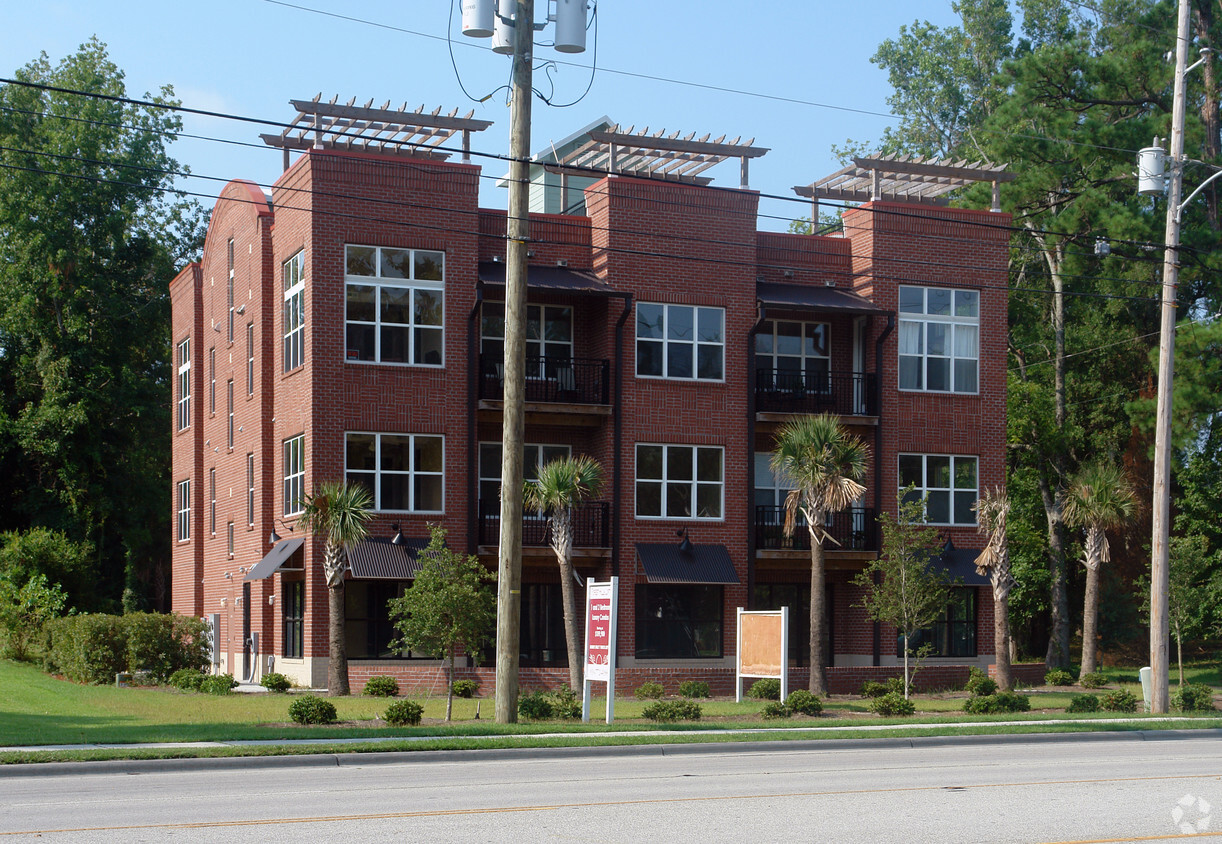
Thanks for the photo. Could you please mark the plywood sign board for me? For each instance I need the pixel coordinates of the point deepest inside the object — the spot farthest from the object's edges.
(763, 647)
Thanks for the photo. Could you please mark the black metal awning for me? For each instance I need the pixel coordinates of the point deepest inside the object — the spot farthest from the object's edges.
(381, 559)
(274, 559)
(960, 564)
(806, 297)
(666, 562)
(560, 279)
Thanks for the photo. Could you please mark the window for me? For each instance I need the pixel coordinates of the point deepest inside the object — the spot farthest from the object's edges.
(770, 490)
(534, 455)
(954, 633)
(229, 533)
(669, 478)
(184, 384)
(294, 474)
(541, 629)
(549, 336)
(250, 358)
(367, 625)
(212, 500)
(794, 355)
(939, 340)
(229, 290)
(395, 305)
(229, 399)
(292, 609)
(680, 341)
(184, 510)
(948, 483)
(250, 489)
(678, 621)
(401, 471)
(212, 380)
(294, 311)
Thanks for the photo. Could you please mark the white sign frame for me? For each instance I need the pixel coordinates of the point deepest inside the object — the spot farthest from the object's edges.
(601, 671)
(783, 612)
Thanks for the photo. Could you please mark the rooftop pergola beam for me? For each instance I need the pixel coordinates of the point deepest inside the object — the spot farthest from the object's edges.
(957, 170)
(411, 118)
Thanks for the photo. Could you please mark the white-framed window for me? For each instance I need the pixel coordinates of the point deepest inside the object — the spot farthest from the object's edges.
(950, 484)
(294, 311)
(229, 533)
(403, 472)
(250, 489)
(212, 501)
(250, 358)
(680, 341)
(229, 290)
(770, 489)
(229, 400)
(549, 335)
(797, 353)
(212, 380)
(534, 455)
(679, 481)
(184, 384)
(939, 339)
(294, 475)
(184, 510)
(395, 305)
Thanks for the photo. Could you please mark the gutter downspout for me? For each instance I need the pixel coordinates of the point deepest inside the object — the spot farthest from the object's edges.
(751, 378)
(878, 450)
(472, 410)
(617, 416)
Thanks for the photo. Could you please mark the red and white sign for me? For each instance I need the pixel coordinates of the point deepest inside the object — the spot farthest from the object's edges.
(602, 607)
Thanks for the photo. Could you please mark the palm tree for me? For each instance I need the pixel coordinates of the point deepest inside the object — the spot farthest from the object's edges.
(559, 487)
(339, 512)
(825, 464)
(1099, 497)
(992, 511)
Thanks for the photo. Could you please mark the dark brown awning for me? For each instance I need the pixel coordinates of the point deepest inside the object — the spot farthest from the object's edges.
(665, 562)
(274, 559)
(806, 297)
(548, 278)
(381, 559)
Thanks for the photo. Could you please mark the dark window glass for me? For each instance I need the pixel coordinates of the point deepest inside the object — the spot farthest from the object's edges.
(953, 634)
(292, 608)
(678, 621)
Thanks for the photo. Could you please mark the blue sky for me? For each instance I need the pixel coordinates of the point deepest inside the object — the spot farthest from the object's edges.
(795, 76)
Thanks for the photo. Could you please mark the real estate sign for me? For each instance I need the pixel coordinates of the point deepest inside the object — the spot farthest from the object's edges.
(763, 647)
(602, 607)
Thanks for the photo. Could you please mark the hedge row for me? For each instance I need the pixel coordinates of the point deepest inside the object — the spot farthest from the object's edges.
(94, 648)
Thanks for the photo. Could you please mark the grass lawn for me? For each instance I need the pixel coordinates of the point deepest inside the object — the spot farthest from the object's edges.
(37, 709)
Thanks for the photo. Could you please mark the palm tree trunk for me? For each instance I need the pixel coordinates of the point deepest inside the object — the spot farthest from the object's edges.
(818, 618)
(1001, 641)
(450, 685)
(572, 636)
(1090, 614)
(337, 669)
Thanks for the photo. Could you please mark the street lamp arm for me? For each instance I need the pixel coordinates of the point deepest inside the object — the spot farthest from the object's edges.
(1179, 210)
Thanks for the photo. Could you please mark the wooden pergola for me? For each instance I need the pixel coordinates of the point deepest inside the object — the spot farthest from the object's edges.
(383, 131)
(903, 178)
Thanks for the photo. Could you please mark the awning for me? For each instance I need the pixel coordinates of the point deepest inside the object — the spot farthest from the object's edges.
(664, 562)
(381, 559)
(960, 564)
(806, 297)
(275, 558)
(548, 278)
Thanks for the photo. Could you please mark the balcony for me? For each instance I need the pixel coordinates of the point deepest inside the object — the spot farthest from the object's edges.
(550, 380)
(795, 391)
(591, 525)
(856, 529)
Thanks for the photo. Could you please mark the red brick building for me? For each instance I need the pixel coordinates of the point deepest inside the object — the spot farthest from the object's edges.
(349, 325)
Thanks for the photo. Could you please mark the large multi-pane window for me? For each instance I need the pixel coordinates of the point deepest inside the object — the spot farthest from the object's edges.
(250, 489)
(229, 289)
(679, 481)
(953, 633)
(771, 490)
(294, 474)
(184, 510)
(367, 625)
(184, 383)
(939, 339)
(680, 341)
(549, 335)
(250, 358)
(534, 455)
(401, 471)
(292, 609)
(948, 483)
(395, 305)
(678, 621)
(294, 311)
(797, 353)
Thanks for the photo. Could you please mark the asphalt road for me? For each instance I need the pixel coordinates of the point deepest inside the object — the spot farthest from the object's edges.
(1089, 788)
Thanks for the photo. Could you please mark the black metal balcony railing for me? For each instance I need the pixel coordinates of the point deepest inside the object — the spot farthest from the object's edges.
(856, 529)
(794, 391)
(591, 525)
(551, 380)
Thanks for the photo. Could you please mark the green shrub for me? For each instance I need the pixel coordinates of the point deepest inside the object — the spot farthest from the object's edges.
(187, 679)
(766, 689)
(312, 709)
(404, 713)
(89, 648)
(1193, 697)
(565, 703)
(1083, 703)
(1119, 700)
(775, 709)
(984, 687)
(24, 611)
(217, 684)
(974, 678)
(1058, 677)
(465, 688)
(694, 688)
(382, 685)
(672, 710)
(892, 703)
(802, 702)
(997, 702)
(276, 682)
(872, 688)
(535, 706)
(162, 643)
(649, 690)
(1093, 680)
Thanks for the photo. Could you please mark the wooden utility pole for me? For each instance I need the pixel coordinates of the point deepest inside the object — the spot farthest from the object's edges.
(1159, 565)
(509, 569)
